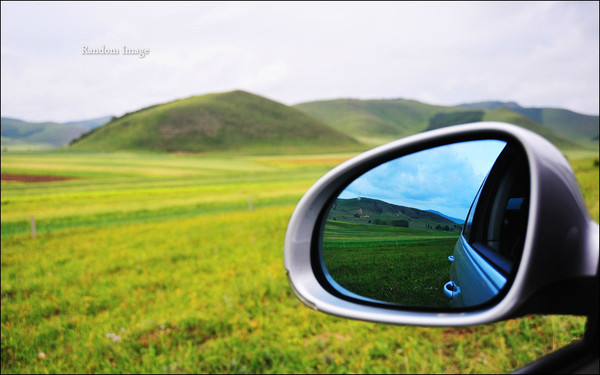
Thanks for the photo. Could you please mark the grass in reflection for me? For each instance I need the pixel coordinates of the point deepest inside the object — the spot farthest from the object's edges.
(391, 264)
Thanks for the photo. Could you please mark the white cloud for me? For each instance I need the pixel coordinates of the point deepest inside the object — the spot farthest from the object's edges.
(445, 178)
(535, 53)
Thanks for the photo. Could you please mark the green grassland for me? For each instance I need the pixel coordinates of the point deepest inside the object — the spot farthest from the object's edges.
(404, 266)
(16, 145)
(173, 263)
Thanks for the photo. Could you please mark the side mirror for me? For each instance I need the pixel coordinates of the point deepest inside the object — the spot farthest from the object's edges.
(388, 235)
(459, 226)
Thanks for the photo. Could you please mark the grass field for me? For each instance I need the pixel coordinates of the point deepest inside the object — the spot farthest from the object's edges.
(386, 263)
(174, 264)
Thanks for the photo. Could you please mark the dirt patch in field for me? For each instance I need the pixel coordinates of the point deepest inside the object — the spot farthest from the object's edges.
(32, 178)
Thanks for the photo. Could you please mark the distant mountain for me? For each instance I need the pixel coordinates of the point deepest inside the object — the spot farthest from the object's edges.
(574, 126)
(377, 212)
(234, 121)
(456, 220)
(492, 105)
(380, 121)
(22, 135)
(91, 124)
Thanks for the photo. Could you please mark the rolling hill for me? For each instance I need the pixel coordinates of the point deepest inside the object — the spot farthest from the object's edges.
(238, 121)
(574, 126)
(28, 136)
(91, 124)
(234, 121)
(380, 121)
(453, 219)
(377, 212)
(374, 121)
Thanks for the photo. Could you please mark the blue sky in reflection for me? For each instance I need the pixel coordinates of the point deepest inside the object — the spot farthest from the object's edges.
(444, 179)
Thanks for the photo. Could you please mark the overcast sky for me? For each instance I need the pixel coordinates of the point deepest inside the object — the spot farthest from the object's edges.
(445, 179)
(539, 54)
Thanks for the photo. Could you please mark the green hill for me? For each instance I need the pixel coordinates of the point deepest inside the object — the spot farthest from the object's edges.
(377, 212)
(234, 121)
(380, 121)
(21, 135)
(581, 128)
(374, 121)
(574, 126)
(508, 115)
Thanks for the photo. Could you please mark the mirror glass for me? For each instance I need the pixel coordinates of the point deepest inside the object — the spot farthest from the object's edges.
(396, 233)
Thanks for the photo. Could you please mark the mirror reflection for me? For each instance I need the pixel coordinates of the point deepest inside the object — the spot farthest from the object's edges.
(410, 231)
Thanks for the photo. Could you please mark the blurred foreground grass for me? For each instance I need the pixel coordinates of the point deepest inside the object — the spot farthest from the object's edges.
(174, 264)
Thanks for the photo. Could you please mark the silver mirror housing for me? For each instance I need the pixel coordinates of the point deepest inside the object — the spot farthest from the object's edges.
(556, 274)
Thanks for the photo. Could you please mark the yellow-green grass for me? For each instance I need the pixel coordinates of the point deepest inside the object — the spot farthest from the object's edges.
(196, 283)
(586, 171)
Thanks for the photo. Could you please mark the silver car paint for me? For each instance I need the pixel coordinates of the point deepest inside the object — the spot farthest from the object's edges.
(478, 281)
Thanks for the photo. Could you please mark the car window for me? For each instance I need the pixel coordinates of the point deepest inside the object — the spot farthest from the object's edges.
(497, 220)
(469, 221)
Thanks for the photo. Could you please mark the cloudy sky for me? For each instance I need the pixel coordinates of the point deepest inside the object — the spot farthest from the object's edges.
(539, 54)
(445, 179)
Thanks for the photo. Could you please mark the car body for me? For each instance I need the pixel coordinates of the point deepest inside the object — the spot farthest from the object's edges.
(528, 224)
(492, 238)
